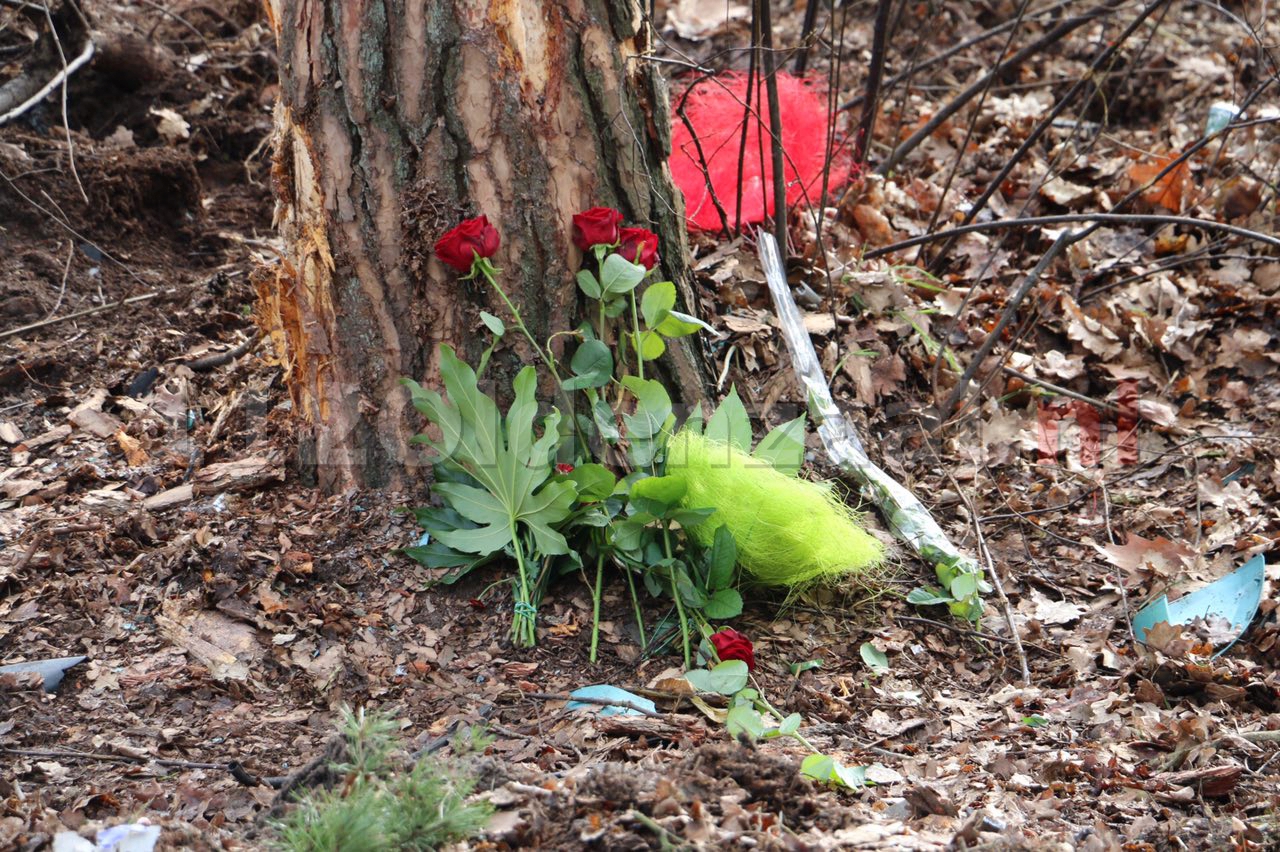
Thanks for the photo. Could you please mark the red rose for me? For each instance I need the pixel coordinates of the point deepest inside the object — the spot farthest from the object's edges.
(473, 237)
(597, 226)
(639, 246)
(732, 645)
(564, 468)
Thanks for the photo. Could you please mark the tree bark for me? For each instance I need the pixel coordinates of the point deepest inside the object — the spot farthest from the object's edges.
(398, 118)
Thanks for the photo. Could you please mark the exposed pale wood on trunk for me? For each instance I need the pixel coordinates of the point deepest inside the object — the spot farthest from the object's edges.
(395, 120)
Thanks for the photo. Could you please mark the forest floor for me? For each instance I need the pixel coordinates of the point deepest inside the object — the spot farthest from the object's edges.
(151, 518)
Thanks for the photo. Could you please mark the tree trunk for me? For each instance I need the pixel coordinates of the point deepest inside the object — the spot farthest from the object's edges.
(398, 118)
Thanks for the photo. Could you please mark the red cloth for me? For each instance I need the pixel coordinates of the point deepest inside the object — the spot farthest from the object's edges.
(715, 110)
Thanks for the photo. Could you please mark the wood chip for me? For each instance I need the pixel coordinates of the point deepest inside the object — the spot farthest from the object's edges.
(168, 499)
(55, 435)
(238, 475)
(9, 433)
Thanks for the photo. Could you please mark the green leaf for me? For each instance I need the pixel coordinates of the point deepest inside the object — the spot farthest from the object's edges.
(509, 464)
(602, 415)
(720, 560)
(594, 482)
(658, 494)
(588, 284)
(790, 725)
(928, 596)
(1035, 721)
(723, 605)
(744, 719)
(726, 678)
(592, 366)
(689, 591)
(437, 554)
(819, 767)
(853, 777)
(964, 586)
(657, 303)
(784, 447)
(492, 323)
(798, 669)
(677, 324)
(874, 658)
(619, 275)
(653, 406)
(649, 345)
(730, 424)
(690, 517)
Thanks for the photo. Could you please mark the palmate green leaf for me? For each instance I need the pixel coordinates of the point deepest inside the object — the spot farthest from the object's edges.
(730, 423)
(511, 469)
(783, 447)
(653, 406)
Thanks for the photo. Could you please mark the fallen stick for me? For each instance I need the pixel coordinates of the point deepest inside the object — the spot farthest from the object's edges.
(44, 91)
(908, 518)
(86, 312)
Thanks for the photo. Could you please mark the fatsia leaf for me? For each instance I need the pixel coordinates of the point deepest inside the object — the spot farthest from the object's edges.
(653, 406)
(784, 446)
(508, 463)
(730, 424)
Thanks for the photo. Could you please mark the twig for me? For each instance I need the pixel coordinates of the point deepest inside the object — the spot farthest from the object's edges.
(1075, 218)
(66, 124)
(953, 106)
(806, 30)
(1061, 391)
(111, 758)
(958, 47)
(875, 77)
(1010, 310)
(775, 128)
(66, 272)
(995, 579)
(58, 79)
(209, 362)
(1045, 123)
(132, 300)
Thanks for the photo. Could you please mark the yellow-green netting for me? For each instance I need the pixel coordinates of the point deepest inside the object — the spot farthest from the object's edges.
(789, 531)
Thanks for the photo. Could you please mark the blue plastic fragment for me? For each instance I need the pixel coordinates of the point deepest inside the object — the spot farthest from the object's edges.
(1234, 598)
(605, 692)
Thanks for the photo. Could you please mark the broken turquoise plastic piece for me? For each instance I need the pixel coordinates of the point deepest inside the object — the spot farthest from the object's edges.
(632, 704)
(1234, 598)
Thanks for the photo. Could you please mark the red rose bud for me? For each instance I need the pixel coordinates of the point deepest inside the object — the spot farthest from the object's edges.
(732, 645)
(472, 238)
(639, 246)
(597, 226)
(564, 468)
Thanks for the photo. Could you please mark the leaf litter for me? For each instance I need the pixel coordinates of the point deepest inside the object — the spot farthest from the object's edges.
(226, 614)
